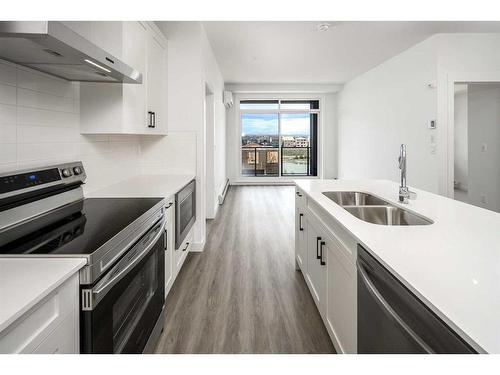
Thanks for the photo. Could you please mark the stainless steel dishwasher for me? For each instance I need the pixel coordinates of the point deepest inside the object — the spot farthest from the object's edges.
(391, 319)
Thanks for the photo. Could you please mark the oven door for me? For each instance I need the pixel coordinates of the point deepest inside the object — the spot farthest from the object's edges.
(120, 311)
(185, 212)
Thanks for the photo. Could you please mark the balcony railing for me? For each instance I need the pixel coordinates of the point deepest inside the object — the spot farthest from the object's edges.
(295, 161)
(265, 161)
(260, 161)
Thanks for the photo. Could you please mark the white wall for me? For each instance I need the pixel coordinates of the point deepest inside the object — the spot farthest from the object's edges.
(389, 105)
(39, 125)
(190, 66)
(483, 121)
(213, 78)
(392, 104)
(327, 132)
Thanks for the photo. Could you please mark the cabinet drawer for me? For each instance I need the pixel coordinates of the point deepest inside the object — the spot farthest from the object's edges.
(345, 240)
(64, 339)
(31, 329)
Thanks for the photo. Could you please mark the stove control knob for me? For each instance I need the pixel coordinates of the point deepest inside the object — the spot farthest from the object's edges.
(66, 172)
(77, 171)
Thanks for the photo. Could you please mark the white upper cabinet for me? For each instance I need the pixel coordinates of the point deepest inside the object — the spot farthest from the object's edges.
(108, 36)
(109, 108)
(156, 83)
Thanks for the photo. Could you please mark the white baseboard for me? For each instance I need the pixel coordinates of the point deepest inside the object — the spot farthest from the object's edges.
(197, 247)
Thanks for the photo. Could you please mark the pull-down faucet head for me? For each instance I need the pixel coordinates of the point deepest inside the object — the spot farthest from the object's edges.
(402, 164)
(404, 192)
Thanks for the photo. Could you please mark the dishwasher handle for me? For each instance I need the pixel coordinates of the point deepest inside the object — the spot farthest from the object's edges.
(371, 288)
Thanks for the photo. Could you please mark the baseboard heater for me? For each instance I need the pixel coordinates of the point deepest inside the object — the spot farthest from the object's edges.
(224, 192)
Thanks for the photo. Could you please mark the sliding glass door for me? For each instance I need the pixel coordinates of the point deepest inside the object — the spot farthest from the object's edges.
(279, 137)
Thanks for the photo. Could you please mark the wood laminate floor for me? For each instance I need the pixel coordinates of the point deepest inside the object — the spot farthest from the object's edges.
(242, 293)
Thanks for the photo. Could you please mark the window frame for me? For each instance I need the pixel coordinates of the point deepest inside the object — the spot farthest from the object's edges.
(279, 111)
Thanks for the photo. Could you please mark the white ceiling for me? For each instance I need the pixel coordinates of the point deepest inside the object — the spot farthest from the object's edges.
(296, 52)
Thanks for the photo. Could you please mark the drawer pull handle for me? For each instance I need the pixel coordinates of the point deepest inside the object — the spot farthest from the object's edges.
(317, 247)
(322, 262)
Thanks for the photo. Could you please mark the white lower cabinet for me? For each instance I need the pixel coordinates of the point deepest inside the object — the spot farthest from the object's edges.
(329, 268)
(64, 339)
(51, 326)
(174, 258)
(181, 253)
(341, 310)
(300, 233)
(316, 271)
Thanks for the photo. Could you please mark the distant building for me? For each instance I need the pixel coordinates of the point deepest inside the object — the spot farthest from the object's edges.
(301, 142)
(288, 141)
(251, 144)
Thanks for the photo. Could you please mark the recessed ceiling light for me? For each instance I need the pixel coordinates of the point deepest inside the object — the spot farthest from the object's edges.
(324, 26)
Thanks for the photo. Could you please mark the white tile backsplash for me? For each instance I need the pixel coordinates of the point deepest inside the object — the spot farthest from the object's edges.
(40, 125)
(7, 133)
(36, 81)
(8, 94)
(36, 99)
(7, 113)
(8, 73)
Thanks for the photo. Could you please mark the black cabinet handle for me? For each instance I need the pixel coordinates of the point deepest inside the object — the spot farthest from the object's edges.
(300, 221)
(165, 238)
(151, 119)
(322, 262)
(317, 247)
(187, 245)
(154, 119)
(298, 193)
(169, 205)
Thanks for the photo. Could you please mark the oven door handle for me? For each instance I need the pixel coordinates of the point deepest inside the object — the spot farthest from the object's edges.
(101, 290)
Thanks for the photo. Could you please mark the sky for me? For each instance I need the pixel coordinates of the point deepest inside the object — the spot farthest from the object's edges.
(267, 124)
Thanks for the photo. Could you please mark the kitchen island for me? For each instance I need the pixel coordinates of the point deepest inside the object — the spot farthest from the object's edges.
(451, 265)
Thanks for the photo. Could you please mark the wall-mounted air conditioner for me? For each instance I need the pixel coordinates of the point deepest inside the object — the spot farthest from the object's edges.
(227, 98)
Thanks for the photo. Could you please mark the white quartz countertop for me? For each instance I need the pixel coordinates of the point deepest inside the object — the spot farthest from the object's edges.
(453, 265)
(26, 281)
(148, 186)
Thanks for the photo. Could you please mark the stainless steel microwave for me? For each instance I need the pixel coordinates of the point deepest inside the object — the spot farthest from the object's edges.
(185, 212)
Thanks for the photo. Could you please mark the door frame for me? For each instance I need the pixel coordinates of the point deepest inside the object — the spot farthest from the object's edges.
(446, 117)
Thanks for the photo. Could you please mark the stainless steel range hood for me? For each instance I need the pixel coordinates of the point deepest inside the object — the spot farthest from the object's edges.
(53, 48)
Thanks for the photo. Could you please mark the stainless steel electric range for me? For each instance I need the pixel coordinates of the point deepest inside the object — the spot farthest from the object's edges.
(43, 213)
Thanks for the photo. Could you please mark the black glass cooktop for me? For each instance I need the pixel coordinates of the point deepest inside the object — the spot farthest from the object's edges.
(89, 225)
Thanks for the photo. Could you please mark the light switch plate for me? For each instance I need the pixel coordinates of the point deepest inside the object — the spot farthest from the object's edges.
(432, 124)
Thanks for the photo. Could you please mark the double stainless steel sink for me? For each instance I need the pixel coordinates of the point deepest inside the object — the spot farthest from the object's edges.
(375, 210)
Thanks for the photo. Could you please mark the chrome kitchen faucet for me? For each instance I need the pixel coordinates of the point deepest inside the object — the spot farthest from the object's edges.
(404, 192)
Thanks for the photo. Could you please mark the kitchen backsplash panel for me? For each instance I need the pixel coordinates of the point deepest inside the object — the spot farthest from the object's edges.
(39, 125)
